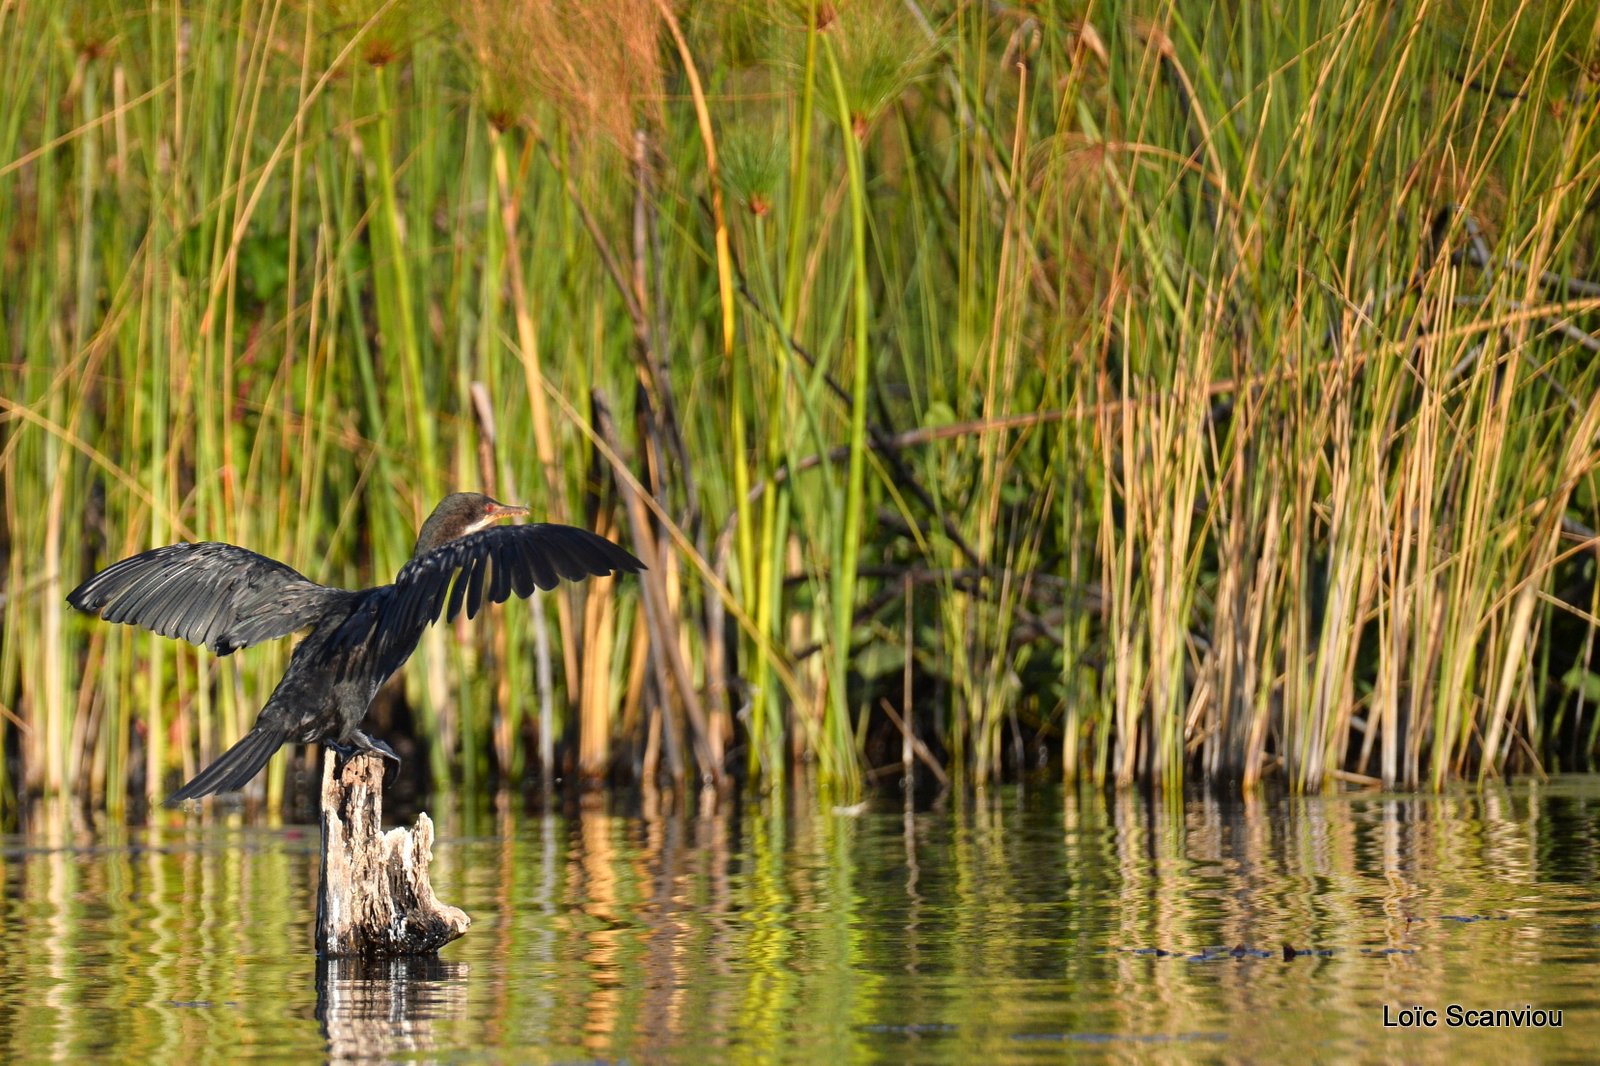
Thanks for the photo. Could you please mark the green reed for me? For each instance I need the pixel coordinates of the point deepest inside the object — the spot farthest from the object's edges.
(1188, 393)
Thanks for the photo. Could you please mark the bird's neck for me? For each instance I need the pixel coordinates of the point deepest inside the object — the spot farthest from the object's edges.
(433, 534)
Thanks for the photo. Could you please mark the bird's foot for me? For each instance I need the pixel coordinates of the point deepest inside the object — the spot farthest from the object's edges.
(375, 746)
(360, 742)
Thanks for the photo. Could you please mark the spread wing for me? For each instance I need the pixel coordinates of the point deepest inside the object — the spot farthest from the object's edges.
(215, 595)
(492, 564)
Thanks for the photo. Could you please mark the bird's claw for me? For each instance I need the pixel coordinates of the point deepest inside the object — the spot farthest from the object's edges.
(378, 747)
(360, 742)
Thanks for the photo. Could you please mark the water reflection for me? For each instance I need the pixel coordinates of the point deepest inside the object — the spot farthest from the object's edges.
(1002, 926)
(382, 1008)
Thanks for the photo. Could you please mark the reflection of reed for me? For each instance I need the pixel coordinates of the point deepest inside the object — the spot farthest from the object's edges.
(659, 869)
(596, 886)
(913, 920)
(660, 906)
(777, 930)
(1393, 887)
(379, 1008)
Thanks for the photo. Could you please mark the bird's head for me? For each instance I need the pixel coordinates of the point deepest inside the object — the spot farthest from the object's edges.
(457, 515)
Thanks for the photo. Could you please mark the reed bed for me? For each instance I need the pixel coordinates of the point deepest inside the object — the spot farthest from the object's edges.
(1131, 392)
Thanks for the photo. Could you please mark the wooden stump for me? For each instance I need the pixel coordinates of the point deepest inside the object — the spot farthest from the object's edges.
(375, 900)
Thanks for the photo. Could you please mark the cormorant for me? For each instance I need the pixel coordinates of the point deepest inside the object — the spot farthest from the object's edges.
(225, 598)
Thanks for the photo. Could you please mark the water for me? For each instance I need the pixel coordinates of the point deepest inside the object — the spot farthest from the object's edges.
(1014, 927)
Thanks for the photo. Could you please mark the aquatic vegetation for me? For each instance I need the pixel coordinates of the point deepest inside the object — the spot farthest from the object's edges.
(1147, 391)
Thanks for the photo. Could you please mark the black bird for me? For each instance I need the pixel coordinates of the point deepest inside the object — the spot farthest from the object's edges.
(226, 598)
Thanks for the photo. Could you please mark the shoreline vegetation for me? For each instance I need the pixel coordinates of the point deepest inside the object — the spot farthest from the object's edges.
(1149, 393)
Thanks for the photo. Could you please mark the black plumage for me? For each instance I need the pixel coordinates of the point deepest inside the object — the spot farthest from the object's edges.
(225, 598)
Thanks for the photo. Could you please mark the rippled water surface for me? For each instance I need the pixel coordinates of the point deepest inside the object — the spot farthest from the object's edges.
(1010, 927)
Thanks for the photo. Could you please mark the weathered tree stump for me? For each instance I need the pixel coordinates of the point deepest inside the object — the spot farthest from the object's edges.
(375, 900)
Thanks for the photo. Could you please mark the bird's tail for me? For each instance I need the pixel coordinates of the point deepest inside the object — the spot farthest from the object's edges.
(235, 767)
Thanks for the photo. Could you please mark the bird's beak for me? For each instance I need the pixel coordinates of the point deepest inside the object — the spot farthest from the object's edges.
(507, 510)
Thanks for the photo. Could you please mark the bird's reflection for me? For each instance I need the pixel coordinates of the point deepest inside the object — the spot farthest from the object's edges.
(380, 1008)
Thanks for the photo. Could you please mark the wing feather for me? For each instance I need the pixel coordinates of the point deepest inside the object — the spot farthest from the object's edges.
(216, 595)
(522, 579)
(504, 560)
(458, 595)
(164, 606)
(564, 562)
(137, 591)
(476, 568)
(538, 565)
(499, 574)
(434, 604)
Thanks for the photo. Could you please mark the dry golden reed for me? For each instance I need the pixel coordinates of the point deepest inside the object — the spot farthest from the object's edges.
(597, 64)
